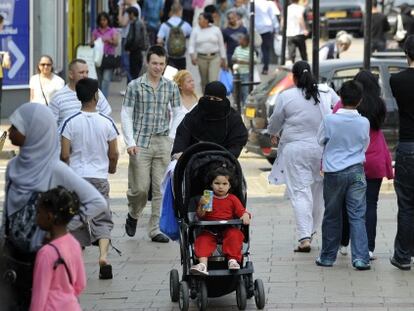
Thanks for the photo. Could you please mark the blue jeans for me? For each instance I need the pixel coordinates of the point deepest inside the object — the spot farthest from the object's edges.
(404, 187)
(125, 60)
(267, 46)
(104, 79)
(244, 77)
(344, 187)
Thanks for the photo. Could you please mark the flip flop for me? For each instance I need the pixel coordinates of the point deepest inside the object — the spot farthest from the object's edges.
(105, 272)
(305, 249)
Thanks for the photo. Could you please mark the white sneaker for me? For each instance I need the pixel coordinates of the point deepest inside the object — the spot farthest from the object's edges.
(122, 93)
(233, 264)
(199, 269)
(372, 256)
(343, 250)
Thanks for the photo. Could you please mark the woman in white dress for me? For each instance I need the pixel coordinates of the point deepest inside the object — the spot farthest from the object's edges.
(45, 83)
(185, 83)
(298, 114)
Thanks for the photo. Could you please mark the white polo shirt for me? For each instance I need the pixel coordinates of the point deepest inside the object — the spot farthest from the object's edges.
(89, 134)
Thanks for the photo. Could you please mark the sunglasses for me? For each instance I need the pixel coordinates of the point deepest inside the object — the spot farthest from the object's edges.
(45, 65)
(210, 97)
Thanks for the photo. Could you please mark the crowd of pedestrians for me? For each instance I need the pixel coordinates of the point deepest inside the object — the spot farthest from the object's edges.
(332, 163)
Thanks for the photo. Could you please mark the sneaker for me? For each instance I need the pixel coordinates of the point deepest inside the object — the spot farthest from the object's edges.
(323, 263)
(122, 93)
(401, 266)
(160, 238)
(131, 226)
(233, 264)
(360, 265)
(371, 256)
(343, 250)
(199, 269)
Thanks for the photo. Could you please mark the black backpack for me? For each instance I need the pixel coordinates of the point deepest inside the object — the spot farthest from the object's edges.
(176, 40)
(137, 38)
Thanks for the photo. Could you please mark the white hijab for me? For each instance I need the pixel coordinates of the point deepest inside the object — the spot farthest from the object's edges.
(31, 170)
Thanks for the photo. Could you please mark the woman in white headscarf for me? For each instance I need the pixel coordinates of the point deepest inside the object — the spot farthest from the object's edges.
(36, 169)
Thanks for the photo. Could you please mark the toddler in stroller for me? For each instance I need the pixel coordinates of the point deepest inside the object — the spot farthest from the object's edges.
(225, 206)
(218, 240)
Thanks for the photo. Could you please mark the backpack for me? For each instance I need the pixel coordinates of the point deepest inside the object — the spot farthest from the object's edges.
(137, 38)
(176, 40)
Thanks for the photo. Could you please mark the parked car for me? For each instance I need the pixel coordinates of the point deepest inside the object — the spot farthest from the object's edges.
(261, 101)
(339, 15)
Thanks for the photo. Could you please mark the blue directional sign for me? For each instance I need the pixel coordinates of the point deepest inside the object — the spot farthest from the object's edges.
(15, 39)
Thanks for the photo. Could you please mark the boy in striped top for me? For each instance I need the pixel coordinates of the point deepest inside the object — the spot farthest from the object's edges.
(241, 64)
(89, 146)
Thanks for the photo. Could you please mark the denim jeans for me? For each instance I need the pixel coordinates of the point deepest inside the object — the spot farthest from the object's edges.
(267, 46)
(372, 193)
(104, 79)
(244, 77)
(125, 60)
(344, 187)
(404, 187)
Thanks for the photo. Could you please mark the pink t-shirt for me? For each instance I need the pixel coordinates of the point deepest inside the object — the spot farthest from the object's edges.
(106, 34)
(51, 288)
(377, 157)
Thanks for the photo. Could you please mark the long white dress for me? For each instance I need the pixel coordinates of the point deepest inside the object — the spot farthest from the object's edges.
(299, 155)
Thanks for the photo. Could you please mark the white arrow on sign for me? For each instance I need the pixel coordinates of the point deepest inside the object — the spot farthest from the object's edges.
(20, 58)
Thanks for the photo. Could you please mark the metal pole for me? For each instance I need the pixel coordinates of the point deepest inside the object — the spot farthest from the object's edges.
(315, 39)
(284, 39)
(367, 34)
(251, 52)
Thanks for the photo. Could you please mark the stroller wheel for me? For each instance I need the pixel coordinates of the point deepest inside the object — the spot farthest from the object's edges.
(202, 296)
(259, 294)
(174, 285)
(241, 295)
(184, 298)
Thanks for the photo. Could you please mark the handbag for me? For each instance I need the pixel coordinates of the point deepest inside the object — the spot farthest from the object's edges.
(401, 33)
(111, 61)
(168, 222)
(226, 78)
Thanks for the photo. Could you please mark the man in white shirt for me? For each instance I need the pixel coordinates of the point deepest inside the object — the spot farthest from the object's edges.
(89, 146)
(267, 25)
(163, 36)
(65, 102)
(296, 30)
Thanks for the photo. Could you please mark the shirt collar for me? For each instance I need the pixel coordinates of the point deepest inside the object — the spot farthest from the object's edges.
(147, 82)
(347, 111)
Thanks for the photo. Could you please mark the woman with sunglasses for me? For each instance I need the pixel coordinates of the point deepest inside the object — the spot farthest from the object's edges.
(212, 120)
(45, 83)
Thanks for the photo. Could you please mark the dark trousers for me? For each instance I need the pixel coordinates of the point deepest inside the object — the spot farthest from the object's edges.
(267, 46)
(372, 193)
(404, 188)
(179, 63)
(135, 64)
(152, 35)
(378, 45)
(297, 42)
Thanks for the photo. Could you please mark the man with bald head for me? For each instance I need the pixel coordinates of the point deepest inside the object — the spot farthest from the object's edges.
(65, 102)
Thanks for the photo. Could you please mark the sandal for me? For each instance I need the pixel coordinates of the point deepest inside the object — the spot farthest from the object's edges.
(199, 269)
(303, 247)
(233, 264)
(105, 272)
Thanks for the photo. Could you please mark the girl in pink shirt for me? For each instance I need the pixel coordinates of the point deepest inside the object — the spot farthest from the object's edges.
(59, 274)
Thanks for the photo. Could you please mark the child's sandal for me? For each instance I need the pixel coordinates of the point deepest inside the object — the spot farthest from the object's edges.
(233, 264)
(199, 269)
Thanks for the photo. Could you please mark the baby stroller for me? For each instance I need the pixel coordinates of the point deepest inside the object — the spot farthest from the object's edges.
(189, 181)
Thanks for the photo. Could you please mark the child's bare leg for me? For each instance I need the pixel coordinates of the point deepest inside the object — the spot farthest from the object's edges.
(203, 260)
(103, 251)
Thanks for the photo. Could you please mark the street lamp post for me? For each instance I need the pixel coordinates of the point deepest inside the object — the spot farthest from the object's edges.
(367, 34)
(283, 54)
(251, 52)
(315, 39)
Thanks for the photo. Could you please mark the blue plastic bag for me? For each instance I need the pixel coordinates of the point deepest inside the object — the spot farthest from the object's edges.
(227, 79)
(168, 222)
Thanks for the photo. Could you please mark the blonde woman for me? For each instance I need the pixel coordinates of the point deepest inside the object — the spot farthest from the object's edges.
(45, 83)
(185, 83)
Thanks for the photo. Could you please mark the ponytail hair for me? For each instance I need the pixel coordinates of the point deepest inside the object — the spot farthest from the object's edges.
(305, 80)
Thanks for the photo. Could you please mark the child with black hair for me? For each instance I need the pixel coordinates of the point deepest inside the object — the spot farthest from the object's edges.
(345, 137)
(59, 274)
(225, 206)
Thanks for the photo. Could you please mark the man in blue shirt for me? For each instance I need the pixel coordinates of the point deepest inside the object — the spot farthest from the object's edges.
(345, 136)
(232, 34)
(151, 13)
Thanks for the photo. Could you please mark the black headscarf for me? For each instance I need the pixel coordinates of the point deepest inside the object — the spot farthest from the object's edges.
(212, 120)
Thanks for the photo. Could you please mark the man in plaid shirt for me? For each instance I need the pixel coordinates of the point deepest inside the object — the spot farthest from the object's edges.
(145, 121)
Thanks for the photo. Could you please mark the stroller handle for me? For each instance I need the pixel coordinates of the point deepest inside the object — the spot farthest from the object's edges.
(218, 222)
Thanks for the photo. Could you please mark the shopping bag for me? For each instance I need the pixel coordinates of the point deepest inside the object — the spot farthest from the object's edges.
(227, 79)
(168, 222)
(277, 45)
(98, 51)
